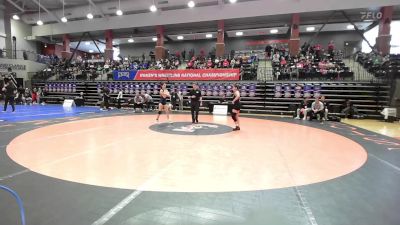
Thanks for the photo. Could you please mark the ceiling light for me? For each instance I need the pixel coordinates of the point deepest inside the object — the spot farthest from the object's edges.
(209, 35)
(350, 27)
(232, 1)
(64, 19)
(15, 17)
(180, 37)
(119, 12)
(87, 43)
(273, 31)
(131, 40)
(39, 22)
(90, 51)
(154, 39)
(239, 33)
(89, 16)
(191, 4)
(153, 8)
(310, 28)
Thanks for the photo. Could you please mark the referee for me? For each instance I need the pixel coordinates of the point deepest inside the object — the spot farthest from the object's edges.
(9, 91)
(195, 102)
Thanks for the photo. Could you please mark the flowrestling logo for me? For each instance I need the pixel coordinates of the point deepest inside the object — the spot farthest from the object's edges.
(187, 128)
(194, 127)
(124, 74)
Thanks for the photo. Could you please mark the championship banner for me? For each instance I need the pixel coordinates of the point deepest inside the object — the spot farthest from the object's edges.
(124, 74)
(287, 89)
(180, 75)
(317, 90)
(278, 90)
(307, 90)
(297, 91)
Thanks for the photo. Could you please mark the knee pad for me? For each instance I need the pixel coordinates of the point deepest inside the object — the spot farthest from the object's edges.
(159, 112)
(233, 115)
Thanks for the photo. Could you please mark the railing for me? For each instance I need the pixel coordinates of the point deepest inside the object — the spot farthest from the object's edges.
(26, 55)
(19, 202)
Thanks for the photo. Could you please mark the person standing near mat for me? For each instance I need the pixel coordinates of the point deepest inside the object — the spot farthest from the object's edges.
(9, 93)
(195, 102)
(163, 106)
(236, 107)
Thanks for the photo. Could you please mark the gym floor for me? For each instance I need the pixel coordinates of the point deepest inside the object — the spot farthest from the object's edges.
(87, 167)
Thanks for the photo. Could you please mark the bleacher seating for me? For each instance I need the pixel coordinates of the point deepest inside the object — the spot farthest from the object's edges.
(56, 92)
(369, 98)
(381, 67)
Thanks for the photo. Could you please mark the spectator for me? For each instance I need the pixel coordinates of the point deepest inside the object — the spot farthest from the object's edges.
(303, 109)
(331, 48)
(119, 98)
(317, 110)
(9, 91)
(34, 96)
(174, 99)
(276, 58)
(326, 106)
(148, 102)
(283, 62)
(349, 109)
(106, 98)
(138, 103)
(80, 100)
(27, 98)
(268, 50)
(20, 95)
(39, 95)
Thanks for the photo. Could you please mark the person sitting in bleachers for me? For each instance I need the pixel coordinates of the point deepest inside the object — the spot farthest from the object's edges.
(349, 109)
(303, 109)
(283, 62)
(331, 48)
(34, 96)
(317, 110)
(276, 58)
(20, 95)
(27, 97)
(138, 103)
(326, 106)
(148, 102)
(120, 97)
(225, 64)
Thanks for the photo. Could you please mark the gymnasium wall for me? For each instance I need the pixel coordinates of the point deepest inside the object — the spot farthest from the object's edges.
(2, 30)
(20, 30)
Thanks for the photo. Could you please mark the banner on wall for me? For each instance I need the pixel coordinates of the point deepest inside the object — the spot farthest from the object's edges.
(307, 90)
(297, 91)
(317, 90)
(278, 90)
(287, 90)
(179, 75)
(205, 74)
(124, 74)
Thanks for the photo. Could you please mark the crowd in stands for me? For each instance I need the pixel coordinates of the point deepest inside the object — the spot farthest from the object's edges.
(313, 62)
(379, 65)
(26, 96)
(93, 69)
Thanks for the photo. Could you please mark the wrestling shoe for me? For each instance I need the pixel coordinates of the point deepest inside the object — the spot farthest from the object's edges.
(236, 128)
